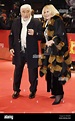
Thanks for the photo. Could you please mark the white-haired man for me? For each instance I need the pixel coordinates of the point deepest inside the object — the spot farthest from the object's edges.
(23, 46)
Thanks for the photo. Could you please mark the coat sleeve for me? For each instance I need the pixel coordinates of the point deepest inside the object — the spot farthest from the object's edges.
(60, 32)
(39, 31)
(11, 38)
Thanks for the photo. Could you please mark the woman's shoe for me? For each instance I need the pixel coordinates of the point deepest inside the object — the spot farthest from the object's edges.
(52, 97)
(58, 99)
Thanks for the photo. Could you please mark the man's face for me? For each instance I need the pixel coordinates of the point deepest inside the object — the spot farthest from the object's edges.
(25, 13)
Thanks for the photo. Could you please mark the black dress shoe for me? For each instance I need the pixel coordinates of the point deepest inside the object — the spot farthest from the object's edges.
(32, 95)
(58, 99)
(15, 95)
(52, 97)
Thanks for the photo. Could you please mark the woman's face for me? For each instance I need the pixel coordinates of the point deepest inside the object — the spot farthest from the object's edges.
(47, 14)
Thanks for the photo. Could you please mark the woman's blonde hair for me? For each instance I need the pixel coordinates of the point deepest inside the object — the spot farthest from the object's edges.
(53, 10)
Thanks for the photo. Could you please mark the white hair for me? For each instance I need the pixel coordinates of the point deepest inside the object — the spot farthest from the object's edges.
(26, 6)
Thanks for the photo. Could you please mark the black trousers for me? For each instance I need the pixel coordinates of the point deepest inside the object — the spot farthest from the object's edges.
(53, 84)
(33, 75)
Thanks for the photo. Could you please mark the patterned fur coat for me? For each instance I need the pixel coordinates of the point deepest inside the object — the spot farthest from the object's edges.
(55, 57)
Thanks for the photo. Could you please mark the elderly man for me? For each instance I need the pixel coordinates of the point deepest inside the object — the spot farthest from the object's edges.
(23, 46)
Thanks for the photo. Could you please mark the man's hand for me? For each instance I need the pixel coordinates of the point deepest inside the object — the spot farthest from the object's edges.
(12, 52)
(30, 31)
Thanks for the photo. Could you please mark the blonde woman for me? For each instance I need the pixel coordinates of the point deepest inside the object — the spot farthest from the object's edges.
(55, 58)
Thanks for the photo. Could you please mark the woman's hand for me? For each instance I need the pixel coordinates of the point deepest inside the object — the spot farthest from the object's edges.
(49, 43)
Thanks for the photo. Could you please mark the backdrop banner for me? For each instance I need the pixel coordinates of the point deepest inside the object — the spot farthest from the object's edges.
(4, 46)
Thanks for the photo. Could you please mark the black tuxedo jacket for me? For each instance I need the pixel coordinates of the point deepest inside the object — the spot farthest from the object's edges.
(31, 41)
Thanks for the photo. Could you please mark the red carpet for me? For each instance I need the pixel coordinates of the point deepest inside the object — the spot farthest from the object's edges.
(41, 103)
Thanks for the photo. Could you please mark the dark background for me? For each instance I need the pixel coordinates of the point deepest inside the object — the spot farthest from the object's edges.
(37, 5)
